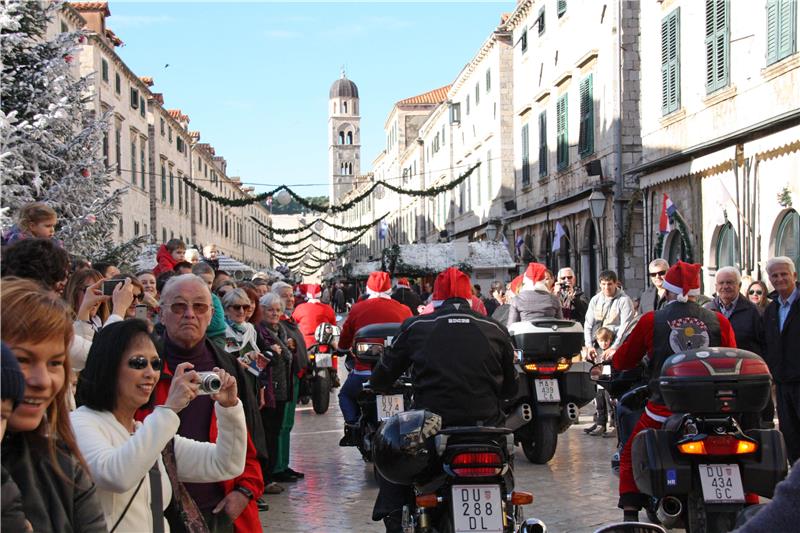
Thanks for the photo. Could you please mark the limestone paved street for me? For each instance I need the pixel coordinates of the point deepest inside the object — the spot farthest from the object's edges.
(575, 492)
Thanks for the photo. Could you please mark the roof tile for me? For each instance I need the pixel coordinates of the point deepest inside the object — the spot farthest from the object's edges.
(436, 96)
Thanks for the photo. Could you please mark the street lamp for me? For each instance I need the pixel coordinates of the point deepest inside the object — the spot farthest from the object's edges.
(597, 208)
(492, 229)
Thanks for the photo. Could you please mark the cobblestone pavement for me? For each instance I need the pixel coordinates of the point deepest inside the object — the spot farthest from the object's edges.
(575, 492)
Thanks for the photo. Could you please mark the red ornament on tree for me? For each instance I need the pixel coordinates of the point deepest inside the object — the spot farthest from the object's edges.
(81, 39)
(68, 58)
(85, 172)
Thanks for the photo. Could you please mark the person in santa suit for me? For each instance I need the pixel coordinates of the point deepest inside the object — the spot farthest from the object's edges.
(312, 313)
(378, 308)
(534, 299)
(403, 294)
(681, 324)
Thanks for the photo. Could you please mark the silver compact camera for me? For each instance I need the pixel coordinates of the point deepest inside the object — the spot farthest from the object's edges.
(209, 383)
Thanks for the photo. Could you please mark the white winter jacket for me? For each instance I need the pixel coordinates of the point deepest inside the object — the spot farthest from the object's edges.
(118, 460)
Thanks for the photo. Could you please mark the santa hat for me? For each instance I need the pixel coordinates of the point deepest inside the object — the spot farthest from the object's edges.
(313, 291)
(516, 284)
(451, 283)
(683, 279)
(403, 282)
(379, 285)
(533, 275)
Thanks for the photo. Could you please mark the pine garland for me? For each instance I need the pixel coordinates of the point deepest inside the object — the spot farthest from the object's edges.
(240, 202)
(312, 234)
(304, 227)
(683, 232)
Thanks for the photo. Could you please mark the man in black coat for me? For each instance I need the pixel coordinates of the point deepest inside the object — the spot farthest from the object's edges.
(653, 297)
(574, 302)
(403, 294)
(782, 330)
(740, 312)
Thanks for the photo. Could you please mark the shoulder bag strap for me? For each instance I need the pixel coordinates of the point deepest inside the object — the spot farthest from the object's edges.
(125, 511)
(156, 499)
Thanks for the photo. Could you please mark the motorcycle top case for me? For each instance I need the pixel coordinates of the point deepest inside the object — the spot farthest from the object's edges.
(715, 381)
(547, 338)
(377, 335)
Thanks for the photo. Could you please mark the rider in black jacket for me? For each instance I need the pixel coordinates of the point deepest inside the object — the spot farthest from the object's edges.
(463, 367)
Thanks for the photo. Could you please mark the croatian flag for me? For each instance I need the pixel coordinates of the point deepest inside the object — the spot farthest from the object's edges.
(667, 210)
(518, 245)
(382, 232)
(557, 236)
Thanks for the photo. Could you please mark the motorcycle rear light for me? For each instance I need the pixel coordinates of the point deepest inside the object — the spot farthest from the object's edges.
(548, 368)
(427, 500)
(754, 367)
(688, 369)
(718, 445)
(476, 464)
(562, 367)
(521, 498)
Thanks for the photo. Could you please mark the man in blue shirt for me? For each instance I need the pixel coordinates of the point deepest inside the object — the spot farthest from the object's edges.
(782, 329)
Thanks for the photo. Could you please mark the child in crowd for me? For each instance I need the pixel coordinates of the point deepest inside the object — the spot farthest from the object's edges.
(36, 220)
(604, 337)
(170, 254)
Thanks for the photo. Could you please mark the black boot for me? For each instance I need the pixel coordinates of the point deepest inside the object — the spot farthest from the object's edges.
(590, 429)
(350, 435)
(599, 430)
(630, 516)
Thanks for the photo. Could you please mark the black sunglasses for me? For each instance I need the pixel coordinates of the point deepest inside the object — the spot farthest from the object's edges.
(661, 273)
(140, 362)
(240, 307)
(754, 291)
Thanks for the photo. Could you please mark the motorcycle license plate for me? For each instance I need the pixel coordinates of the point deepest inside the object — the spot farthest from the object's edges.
(323, 360)
(721, 483)
(477, 508)
(389, 405)
(547, 390)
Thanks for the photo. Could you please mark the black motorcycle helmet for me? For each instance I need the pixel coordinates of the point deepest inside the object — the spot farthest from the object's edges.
(403, 447)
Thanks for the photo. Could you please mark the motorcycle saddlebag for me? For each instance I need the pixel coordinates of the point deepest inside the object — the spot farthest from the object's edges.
(547, 338)
(768, 466)
(374, 338)
(715, 381)
(579, 388)
(657, 467)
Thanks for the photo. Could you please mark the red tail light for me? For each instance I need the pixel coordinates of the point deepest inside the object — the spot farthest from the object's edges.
(476, 464)
(717, 366)
(754, 367)
(718, 445)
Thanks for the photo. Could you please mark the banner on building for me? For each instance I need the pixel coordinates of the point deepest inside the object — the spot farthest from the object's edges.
(557, 236)
(667, 210)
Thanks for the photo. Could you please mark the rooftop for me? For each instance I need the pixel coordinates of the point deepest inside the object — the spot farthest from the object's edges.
(436, 96)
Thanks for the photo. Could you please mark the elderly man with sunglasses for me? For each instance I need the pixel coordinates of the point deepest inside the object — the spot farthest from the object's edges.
(186, 312)
(574, 302)
(653, 297)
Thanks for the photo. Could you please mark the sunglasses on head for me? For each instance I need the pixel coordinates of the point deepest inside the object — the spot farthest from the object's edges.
(140, 362)
(755, 291)
(240, 307)
(661, 273)
(180, 308)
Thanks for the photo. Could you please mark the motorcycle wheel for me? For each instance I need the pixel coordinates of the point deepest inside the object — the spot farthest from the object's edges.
(542, 447)
(699, 520)
(321, 394)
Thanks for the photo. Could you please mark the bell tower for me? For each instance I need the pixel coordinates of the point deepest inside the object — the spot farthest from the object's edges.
(344, 137)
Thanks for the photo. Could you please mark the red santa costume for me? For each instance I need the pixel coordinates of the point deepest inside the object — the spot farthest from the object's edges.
(679, 325)
(312, 313)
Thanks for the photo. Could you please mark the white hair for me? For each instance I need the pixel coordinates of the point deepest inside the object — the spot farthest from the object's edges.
(659, 261)
(729, 270)
(269, 299)
(174, 281)
(780, 260)
(234, 297)
(278, 286)
(560, 270)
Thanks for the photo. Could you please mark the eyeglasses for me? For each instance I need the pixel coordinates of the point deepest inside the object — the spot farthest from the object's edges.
(240, 307)
(139, 296)
(661, 273)
(140, 362)
(180, 308)
(565, 277)
(755, 291)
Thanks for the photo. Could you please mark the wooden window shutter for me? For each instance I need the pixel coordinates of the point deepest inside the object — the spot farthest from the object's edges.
(586, 134)
(670, 63)
(562, 144)
(717, 44)
(543, 144)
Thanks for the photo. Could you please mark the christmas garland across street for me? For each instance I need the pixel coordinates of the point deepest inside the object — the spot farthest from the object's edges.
(281, 231)
(239, 202)
(312, 234)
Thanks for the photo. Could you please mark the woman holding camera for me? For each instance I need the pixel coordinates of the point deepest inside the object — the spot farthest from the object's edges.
(40, 451)
(125, 456)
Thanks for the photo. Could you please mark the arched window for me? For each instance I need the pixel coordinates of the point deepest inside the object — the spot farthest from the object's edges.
(727, 246)
(787, 240)
(334, 108)
(341, 137)
(349, 137)
(673, 248)
(344, 107)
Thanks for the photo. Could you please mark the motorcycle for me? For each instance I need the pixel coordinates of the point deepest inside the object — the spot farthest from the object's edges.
(320, 373)
(461, 476)
(552, 388)
(698, 467)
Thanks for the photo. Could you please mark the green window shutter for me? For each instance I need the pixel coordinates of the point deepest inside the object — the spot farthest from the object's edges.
(717, 44)
(787, 28)
(163, 184)
(562, 8)
(562, 133)
(543, 144)
(526, 168)
(670, 63)
(171, 188)
(586, 134)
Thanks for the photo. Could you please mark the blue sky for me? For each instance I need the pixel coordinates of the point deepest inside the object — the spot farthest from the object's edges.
(254, 76)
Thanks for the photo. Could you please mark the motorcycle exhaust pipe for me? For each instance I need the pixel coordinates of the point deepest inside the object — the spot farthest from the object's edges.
(521, 416)
(573, 412)
(669, 511)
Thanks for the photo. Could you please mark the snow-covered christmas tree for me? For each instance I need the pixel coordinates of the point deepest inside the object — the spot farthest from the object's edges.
(50, 139)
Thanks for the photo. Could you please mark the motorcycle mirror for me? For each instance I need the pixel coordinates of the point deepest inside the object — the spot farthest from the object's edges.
(596, 372)
(533, 525)
(631, 527)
